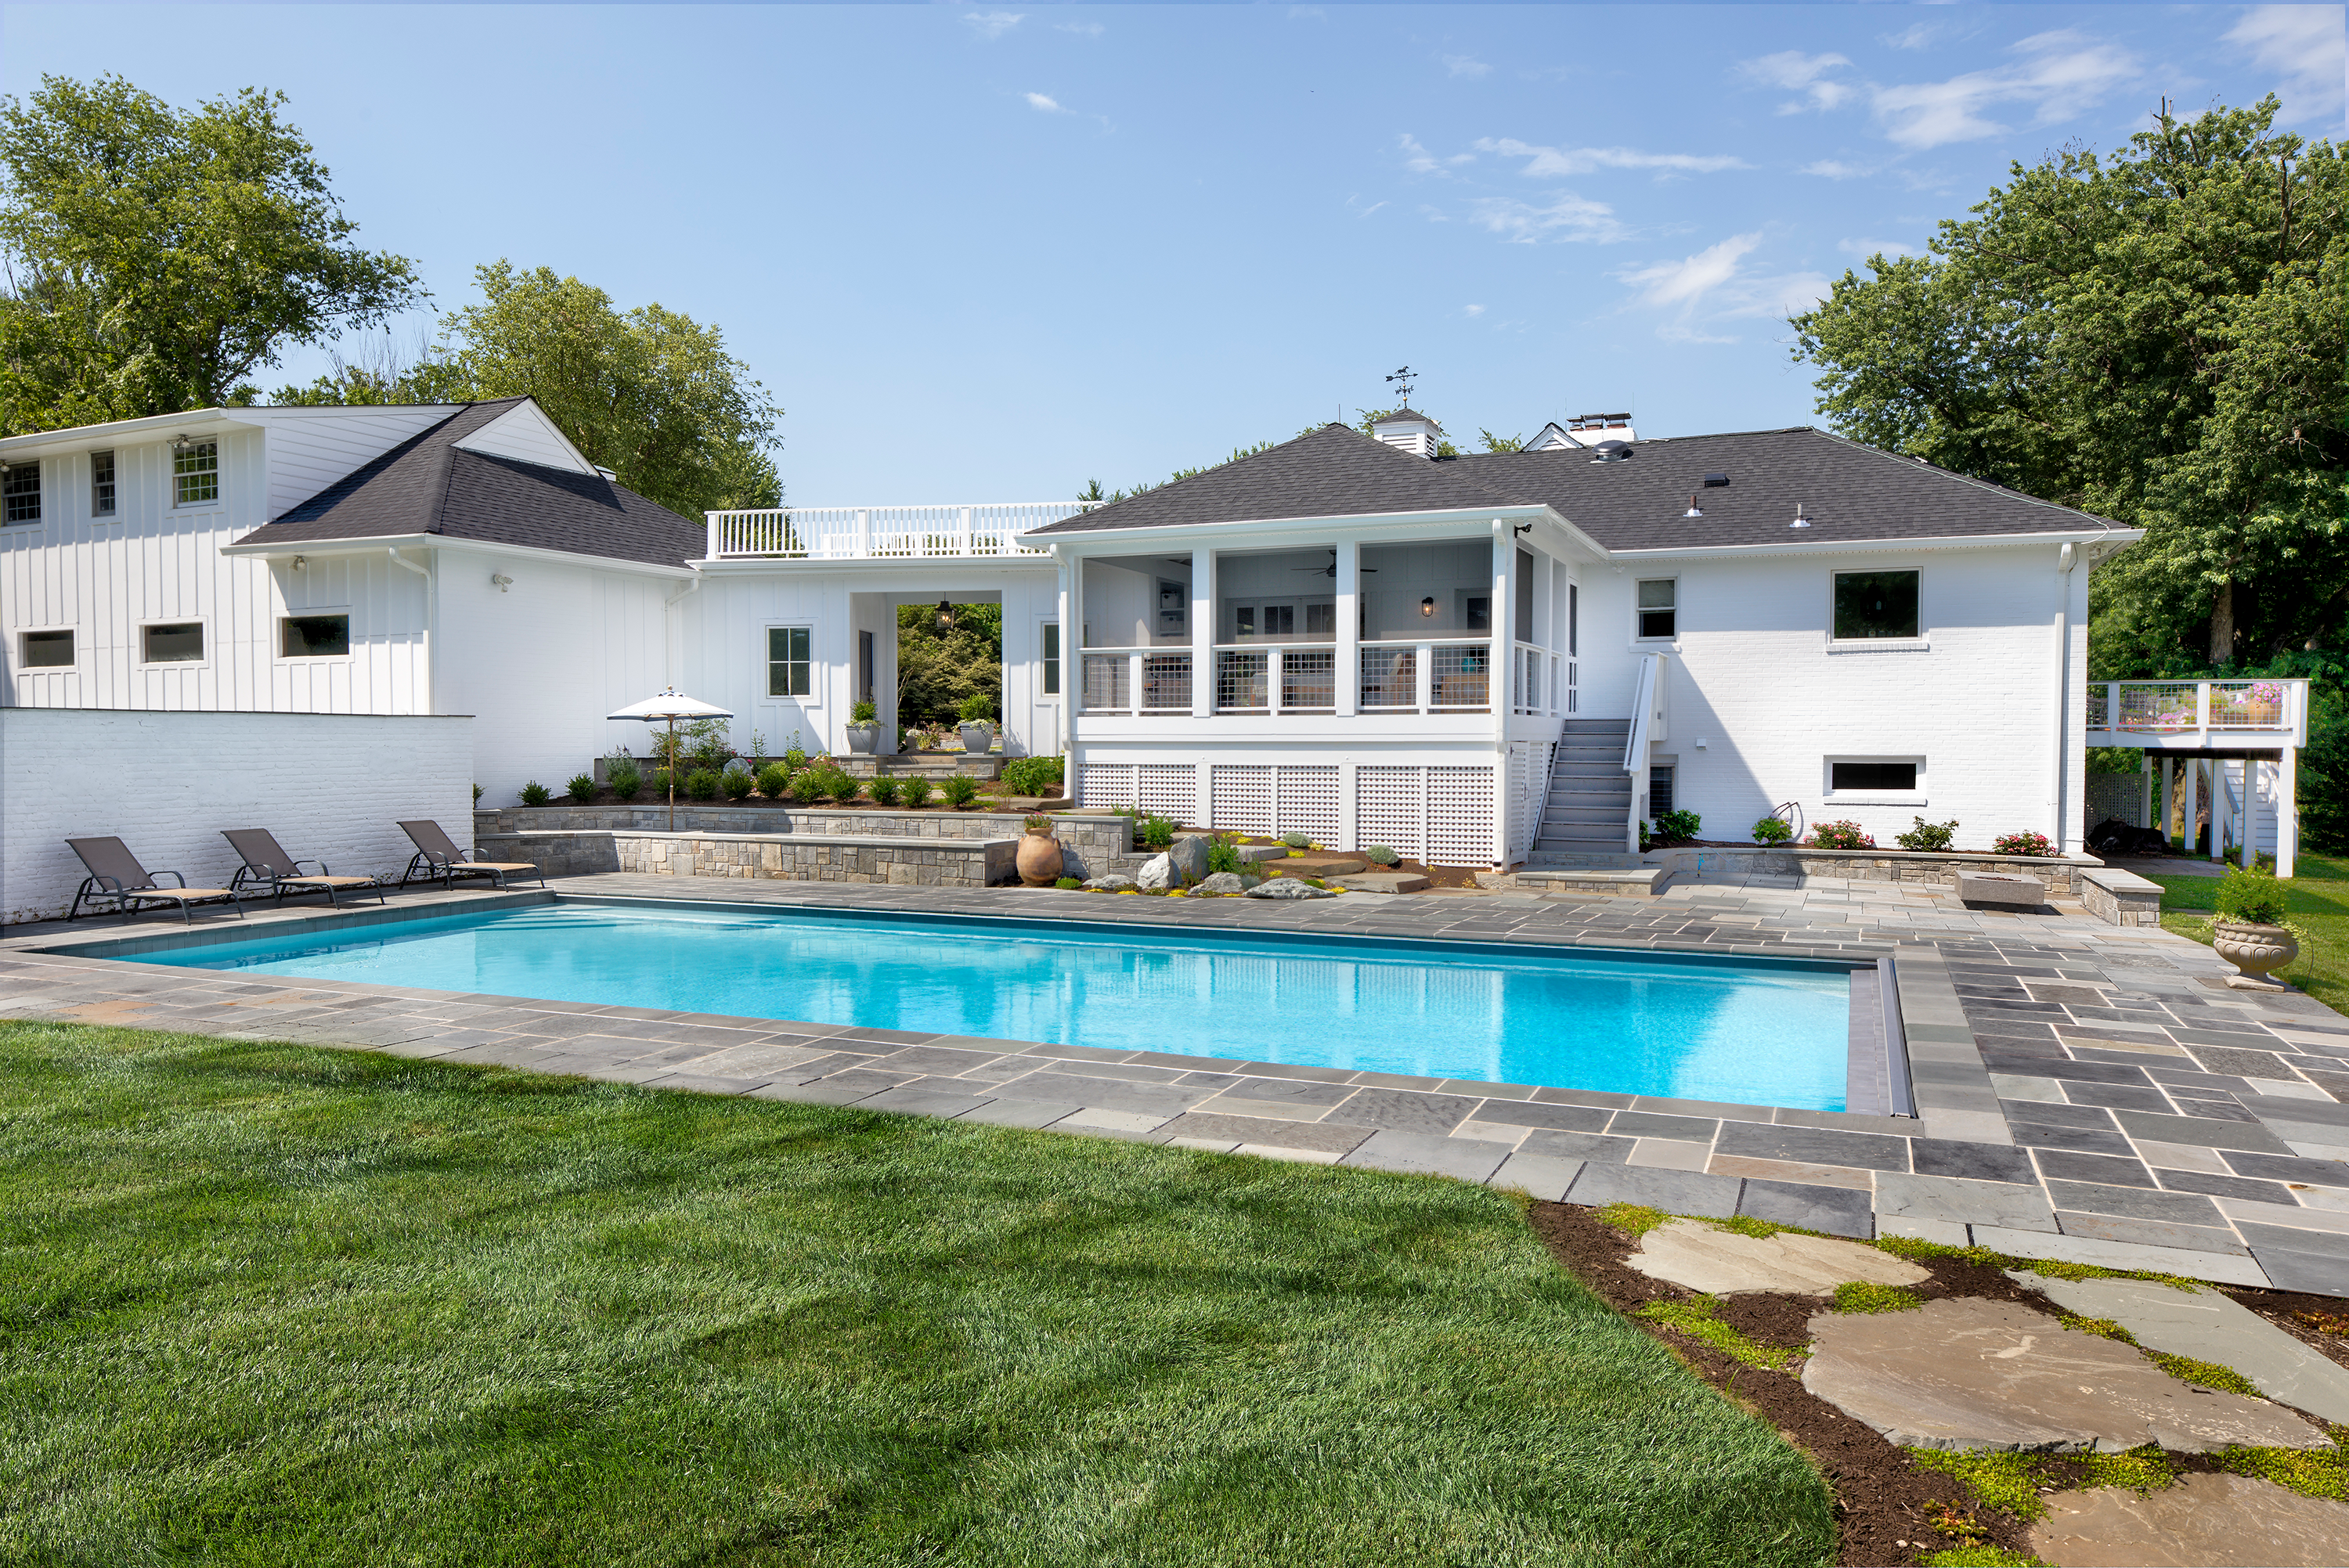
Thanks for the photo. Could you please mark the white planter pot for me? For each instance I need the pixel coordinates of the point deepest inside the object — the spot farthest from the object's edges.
(863, 738)
(977, 737)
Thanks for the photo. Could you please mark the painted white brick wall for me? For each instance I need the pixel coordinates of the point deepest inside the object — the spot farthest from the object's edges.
(332, 787)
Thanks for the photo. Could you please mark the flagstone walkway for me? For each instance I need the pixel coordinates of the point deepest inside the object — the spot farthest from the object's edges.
(2087, 1092)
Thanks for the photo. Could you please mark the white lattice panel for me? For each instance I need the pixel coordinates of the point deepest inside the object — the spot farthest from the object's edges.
(1106, 783)
(1460, 802)
(1169, 789)
(1243, 799)
(1529, 769)
(1306, 801)
(1390, 809)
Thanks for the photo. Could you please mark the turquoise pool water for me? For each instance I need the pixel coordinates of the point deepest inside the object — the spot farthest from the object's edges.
(1700, 1029)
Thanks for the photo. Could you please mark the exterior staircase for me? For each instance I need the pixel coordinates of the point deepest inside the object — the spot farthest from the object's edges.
(1584, 824)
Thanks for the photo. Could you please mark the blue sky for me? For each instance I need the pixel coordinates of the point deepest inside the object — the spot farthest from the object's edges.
(986, 252)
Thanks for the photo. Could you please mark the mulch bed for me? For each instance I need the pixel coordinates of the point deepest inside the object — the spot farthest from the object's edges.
(1886, 1504)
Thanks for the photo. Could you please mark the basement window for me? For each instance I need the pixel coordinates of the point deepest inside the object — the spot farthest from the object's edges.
(1875, 778)
(175, 643)
(47, 650)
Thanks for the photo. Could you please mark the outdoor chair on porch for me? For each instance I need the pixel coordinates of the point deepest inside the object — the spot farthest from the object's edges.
(116, 881)
(267, 867)
(437, 858)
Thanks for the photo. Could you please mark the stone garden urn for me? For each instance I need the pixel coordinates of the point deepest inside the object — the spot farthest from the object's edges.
(2256, 950)
(977, 735)
(1039, 859)
(863, 738)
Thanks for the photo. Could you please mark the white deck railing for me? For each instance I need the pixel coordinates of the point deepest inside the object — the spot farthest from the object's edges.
(2193, 715)
(883, 533)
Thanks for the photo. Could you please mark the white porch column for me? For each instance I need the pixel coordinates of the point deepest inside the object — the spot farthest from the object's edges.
(2145, 805)
(2250, 812)
(1203, 634)
(1349, 627)
(2287, 811)
(1501, 678)
(2220, 814)
(2168, 793)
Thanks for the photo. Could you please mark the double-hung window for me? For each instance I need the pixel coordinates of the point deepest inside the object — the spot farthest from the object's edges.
(101, 484)
(1658, 608)
(195, 473)
(1051, 658)
(20, 484)
(787, 662)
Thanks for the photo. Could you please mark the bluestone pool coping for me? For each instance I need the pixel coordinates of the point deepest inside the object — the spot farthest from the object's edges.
(2097, 1162)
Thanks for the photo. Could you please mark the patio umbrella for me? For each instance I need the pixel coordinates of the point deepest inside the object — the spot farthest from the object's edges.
(671, 704)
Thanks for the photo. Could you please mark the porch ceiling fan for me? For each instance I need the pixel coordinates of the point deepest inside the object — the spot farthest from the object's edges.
(1330, 570)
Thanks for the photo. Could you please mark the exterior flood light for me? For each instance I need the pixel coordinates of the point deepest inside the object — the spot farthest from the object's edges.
(500, 581)
(1427, 607)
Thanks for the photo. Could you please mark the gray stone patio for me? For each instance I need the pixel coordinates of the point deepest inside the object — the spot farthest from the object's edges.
(2087, 1092)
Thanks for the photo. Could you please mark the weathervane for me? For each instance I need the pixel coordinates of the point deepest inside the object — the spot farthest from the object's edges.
(1403, 379)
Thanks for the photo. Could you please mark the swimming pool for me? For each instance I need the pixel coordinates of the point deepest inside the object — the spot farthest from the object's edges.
(1694, 1027)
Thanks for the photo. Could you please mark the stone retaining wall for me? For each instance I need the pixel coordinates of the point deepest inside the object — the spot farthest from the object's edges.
(2061, 873)
(902, 861)
(1097, 844)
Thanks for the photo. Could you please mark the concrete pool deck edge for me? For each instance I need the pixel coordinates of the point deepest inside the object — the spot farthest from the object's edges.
(1955, 1173)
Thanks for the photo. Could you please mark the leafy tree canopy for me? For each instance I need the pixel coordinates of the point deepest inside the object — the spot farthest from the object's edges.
(156, 259)
(648, 393)
(938, 668)
(2156, 338)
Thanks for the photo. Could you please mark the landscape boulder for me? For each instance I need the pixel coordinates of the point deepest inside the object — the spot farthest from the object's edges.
(1223, 883)
(1189, 856)
(1112, 883)
(1157, 874)
(1289, 887)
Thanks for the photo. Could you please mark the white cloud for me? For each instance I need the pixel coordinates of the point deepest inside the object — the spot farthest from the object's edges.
(1893, 248)
(1552, 162)
(1466, 66)
(1087, 29)
(1419, 160)
(2058, 74)
(1830, 169)
(992, 23)
(1371, 209)
(1806, 74)
(1472, 311)
(1047, 106)
(1713, 285)
(2301, 44)
(1915, 37)
(1567, 219)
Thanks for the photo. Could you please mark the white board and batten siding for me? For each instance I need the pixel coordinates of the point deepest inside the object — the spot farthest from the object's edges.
(310, 449)
(330, 787)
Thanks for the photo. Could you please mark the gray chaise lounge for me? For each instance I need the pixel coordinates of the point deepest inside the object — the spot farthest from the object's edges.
(116, 881)
(437, 858)
(268, 868)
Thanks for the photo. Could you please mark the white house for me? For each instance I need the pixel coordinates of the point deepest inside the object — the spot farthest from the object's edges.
(1475, 660)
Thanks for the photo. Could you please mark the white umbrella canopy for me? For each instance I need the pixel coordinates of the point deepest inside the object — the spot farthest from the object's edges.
(669, 707)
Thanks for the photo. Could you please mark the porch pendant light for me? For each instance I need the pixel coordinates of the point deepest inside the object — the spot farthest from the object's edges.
(945, 615)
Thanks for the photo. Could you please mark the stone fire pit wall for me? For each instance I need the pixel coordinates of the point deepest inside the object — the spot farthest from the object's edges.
(1093, 846)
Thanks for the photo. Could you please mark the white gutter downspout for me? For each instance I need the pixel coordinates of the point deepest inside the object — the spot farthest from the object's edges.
(432, 627)
(2065, 559)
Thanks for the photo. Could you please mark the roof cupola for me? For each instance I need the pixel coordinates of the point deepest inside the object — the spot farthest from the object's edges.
(1410, 429)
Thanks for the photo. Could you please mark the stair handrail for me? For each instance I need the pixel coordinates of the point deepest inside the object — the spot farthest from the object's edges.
(1635, 745)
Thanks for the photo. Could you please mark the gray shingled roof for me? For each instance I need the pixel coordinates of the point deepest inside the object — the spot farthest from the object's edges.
(1852, 492)
(426, 485)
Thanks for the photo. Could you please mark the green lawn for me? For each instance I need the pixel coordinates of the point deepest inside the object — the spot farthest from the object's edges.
(274, 1304)
(2318, 898)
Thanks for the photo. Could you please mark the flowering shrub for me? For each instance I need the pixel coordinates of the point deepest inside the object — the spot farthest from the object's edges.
(2022, 844)
(1773, 830)
(1840, 836)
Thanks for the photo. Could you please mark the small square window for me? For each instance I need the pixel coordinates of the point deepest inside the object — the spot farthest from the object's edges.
(1887, 776)
(315, 637)
(1871, 604)
(1660, 607)
(20, 483)
(101, 484)
(49, 650)
(787, 662)
(1478, 613)
(195, 473)
(1051, 658)
(180, 643)
(1320, 620)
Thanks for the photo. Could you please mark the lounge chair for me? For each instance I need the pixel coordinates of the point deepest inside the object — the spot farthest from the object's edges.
(438, 857)
(118, 881)
(268, 868)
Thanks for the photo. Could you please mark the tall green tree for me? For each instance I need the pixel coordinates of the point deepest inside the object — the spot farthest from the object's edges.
(2156, 337)
(155, 259)
(939, 665)
(648, 393)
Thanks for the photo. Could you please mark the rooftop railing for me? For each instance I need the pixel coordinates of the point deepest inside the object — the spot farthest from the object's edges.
(883, 533)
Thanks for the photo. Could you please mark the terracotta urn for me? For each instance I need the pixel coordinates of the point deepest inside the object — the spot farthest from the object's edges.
(1038, 860)
(2256, 950)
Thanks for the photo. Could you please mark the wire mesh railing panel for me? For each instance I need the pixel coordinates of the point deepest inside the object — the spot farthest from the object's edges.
(1461, 676)
(1390, 677)
(1109, 683)
(1308, 679)
(2246, 705)
(1166, 681)
(2159, 704)
(1241, 681)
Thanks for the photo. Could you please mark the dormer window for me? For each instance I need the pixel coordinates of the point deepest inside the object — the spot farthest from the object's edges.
(195, 472)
